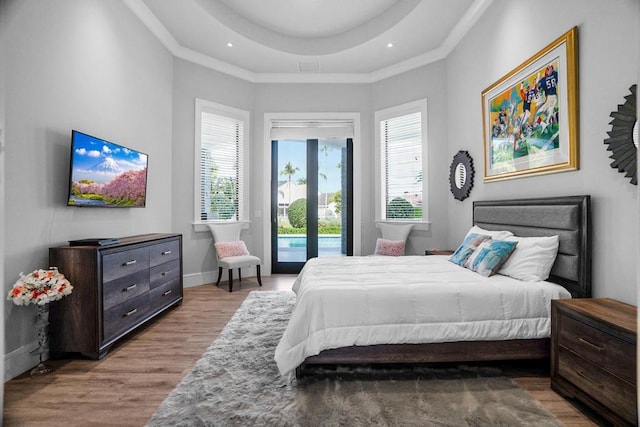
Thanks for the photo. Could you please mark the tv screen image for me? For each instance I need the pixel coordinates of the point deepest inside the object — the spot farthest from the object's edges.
(104, 174)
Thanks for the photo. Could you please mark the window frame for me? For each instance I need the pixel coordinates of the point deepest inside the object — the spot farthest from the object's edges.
(204, 106)
(419, 106)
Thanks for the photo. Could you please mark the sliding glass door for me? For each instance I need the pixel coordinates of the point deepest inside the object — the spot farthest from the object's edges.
(311, 201)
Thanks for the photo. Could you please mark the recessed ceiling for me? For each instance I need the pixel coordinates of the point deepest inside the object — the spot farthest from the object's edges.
(310, 40)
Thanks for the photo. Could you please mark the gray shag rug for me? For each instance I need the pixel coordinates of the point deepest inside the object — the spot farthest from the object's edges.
(237, 383)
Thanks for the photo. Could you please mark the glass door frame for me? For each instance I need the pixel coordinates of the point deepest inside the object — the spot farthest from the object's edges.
(312, 206)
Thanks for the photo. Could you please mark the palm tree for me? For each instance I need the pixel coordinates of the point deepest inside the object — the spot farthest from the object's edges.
(325, 149)
(289, 170)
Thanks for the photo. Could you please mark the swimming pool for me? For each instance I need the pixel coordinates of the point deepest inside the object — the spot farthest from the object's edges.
(299, 241)
(293, 247)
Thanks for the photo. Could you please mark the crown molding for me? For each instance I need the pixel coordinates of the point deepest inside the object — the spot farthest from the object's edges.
(471, 16)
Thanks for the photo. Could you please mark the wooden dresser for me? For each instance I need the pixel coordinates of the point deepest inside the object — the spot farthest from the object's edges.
(593, 355)
(116, 288)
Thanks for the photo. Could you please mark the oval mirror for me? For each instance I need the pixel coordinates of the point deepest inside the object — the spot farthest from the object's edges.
(460, 175)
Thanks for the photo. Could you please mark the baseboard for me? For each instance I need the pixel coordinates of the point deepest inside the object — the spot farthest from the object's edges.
(206, 277)
(197, 279)
(21, 360)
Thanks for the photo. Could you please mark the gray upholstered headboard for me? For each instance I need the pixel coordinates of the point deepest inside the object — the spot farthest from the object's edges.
(568, 217)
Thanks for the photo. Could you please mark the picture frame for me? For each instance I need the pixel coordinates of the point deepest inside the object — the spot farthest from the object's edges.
(530, 116)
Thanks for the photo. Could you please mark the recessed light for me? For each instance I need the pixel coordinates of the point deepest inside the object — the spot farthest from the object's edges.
(389, 44)
(229, 44)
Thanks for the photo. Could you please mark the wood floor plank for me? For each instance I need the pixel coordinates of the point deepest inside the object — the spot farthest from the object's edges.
(127, 386)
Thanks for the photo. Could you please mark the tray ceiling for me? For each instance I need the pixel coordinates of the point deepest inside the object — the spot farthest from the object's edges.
(309, 40)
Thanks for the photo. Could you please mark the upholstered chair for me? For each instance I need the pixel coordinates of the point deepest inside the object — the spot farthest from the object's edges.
(394, 238)
(231, 251)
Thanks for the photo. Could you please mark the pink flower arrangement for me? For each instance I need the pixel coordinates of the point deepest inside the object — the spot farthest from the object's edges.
(40, 287)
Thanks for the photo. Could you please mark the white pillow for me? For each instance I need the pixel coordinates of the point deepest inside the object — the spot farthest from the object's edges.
(495, 235)
(395, 231)
(533, 258)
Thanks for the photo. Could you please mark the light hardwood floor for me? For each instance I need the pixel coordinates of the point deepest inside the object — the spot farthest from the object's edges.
(127, 386)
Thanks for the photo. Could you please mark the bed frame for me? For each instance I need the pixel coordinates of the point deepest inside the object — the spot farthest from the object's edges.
(568, 217)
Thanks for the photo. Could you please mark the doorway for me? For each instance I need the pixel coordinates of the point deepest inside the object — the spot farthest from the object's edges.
(311, 201)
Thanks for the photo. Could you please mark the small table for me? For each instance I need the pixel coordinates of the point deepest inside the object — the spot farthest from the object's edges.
(593, 355)
(438, 252)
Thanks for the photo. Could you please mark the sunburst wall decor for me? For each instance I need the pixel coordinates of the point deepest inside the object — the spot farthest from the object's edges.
(461, 175)
(623, 137)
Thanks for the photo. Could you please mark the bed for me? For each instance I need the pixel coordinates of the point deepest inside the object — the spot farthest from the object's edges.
(424, 309)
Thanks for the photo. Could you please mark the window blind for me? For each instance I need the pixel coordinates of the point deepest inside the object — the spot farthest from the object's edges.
(305, 129)
(221, 165)
(401, 139)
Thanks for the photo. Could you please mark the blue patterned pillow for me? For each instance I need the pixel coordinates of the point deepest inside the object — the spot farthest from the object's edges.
(466, 248)
(489, 256)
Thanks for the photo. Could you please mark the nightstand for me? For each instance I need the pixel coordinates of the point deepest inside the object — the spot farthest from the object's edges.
(437, 252)
(593, 355)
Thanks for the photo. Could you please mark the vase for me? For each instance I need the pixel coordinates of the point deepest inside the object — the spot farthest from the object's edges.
(42, 321)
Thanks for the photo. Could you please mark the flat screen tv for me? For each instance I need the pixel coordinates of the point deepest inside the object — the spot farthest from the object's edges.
(104, 174)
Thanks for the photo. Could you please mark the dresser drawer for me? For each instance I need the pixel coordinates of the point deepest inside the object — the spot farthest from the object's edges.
(120, 264)
(164, 252)
(161, 274)
(616, 355)
(165, 294)
(616, 394)
(120, 290)
(112, 294)
(124, 316)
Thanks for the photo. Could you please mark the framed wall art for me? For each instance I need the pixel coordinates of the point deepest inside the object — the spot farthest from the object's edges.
(530, 116)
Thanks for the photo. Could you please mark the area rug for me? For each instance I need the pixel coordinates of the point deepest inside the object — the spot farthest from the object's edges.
(237, 383)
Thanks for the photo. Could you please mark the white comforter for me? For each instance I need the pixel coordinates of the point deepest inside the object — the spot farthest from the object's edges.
(345, 301)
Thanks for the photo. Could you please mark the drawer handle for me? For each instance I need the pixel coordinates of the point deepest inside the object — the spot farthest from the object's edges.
(129, 288)
(594, 382)
(592, 345)
(166, 253)
(129, 313)
(133, 261)
(165, 273)
(167, 293)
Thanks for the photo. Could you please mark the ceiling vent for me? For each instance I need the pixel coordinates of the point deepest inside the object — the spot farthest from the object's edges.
(308, 67)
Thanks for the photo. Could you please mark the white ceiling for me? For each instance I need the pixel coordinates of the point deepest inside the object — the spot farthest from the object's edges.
(310, 40)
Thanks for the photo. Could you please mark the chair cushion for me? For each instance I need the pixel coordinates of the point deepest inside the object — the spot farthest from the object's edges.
(227, 249)
(239, 261)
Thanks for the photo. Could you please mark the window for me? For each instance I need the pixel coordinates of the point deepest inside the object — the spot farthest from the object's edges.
(221, 135)
(402, 149)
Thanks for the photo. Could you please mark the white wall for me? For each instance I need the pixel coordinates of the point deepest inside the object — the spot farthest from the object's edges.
(425, 82)
(192, 81)
(3, 14)
(454, 124)
(309, 99)
(509, 33)
(88, 65)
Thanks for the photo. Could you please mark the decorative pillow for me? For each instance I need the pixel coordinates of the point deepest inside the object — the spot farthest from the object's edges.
(497, 235)
(533, 258)
(389, 247)
(489, 256)
(227, 249)
(469, 244)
